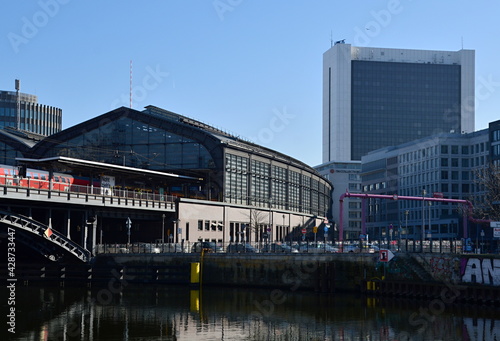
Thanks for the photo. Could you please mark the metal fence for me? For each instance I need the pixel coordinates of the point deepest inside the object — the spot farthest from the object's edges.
(455, 246)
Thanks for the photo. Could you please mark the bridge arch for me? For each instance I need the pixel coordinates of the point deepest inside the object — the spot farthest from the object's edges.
(41, 238)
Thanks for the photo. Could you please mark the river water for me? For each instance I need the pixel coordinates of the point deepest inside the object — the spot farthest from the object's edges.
(180, 313)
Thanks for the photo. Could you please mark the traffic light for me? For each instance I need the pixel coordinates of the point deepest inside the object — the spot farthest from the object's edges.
(315, 229)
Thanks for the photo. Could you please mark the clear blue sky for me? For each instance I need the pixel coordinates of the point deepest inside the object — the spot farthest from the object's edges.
(251, 67)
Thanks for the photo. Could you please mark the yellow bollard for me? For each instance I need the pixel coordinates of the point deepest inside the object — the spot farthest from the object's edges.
(195, 273)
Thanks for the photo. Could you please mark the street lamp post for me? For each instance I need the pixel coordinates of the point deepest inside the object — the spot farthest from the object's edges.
(422, 230)
(482, 241)
(283, 230)
(406, 231)
(430, 226)
(162, 231)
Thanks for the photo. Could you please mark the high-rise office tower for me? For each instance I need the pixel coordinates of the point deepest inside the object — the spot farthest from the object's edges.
(378, 97)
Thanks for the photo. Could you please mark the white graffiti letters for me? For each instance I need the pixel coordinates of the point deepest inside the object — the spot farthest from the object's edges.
(482, 271)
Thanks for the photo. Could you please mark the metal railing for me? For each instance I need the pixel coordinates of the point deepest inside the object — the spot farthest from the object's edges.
(51, 188)
(453, 246)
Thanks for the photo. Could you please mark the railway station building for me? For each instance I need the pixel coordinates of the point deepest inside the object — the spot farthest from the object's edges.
(224, 189)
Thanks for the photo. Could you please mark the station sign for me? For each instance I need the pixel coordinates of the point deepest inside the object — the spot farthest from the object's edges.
(107, 183)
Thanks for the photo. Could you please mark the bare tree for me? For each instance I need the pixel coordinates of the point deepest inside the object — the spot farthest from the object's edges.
(258, 219)
(487, 180)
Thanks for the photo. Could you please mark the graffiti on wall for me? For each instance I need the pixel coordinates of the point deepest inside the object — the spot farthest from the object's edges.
(443, 267)
(481, 270)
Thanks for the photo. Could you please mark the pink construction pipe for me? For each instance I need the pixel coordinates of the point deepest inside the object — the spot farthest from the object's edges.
(400, 197)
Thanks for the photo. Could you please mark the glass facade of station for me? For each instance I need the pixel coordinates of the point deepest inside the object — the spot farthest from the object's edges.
(276, 186)
(132, 143)
(233, 171)
(8, 154)
(393, 103)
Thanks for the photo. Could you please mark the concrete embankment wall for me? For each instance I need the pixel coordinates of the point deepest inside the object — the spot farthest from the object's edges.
(309, 272)
(325, 273)
(469, 277)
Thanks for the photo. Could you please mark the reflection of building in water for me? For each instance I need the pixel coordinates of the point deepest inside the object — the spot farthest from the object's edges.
(230, 314)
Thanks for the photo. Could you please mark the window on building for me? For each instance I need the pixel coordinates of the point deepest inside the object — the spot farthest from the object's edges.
(465, 175)
(444, 175)
(236, 179)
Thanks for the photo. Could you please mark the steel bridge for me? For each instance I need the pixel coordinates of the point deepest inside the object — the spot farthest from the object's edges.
(53, 244)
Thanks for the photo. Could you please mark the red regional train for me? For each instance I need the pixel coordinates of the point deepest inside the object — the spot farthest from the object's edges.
(39, 179)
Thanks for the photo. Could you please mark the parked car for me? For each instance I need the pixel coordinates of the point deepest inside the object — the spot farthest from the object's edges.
(122, 250)
(373, 248)
(234, 248)
(370, 248)
(278, 248)
(146, 248)
(207, 246)
(171, 247)
(350, 248)
(318, 248)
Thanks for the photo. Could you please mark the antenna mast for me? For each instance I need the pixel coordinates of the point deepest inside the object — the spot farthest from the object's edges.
(130, 84)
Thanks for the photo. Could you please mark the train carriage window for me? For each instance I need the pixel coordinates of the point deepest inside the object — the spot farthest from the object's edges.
(43, 177)
(35, 176)
(6, 171)
(56, 178)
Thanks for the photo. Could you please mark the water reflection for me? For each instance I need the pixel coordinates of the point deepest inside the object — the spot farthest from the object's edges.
(178, 313)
